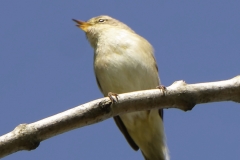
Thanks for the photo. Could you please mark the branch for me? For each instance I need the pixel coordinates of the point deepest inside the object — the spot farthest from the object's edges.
(179, 95)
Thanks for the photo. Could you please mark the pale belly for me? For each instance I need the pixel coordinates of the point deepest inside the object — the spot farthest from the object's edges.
(127, 75)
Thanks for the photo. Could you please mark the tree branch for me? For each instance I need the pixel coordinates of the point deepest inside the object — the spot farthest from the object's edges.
(179, 95)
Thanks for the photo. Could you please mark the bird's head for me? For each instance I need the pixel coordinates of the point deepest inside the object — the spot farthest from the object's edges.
(99, 26)
(100, 23)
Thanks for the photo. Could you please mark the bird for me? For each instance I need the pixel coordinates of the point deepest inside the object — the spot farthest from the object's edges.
(124, 62)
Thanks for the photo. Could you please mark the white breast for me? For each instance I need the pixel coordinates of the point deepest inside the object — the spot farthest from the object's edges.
(123, 64)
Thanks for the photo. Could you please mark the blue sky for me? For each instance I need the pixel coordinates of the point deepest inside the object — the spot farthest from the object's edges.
(46, 68)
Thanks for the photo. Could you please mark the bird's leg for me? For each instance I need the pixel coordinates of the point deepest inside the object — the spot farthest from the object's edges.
(110, 95)
(162, 88)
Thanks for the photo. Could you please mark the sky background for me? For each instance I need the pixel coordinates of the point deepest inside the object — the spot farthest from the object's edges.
(46, 67)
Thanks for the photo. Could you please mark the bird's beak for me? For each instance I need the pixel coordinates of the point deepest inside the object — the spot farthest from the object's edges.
(81, 24)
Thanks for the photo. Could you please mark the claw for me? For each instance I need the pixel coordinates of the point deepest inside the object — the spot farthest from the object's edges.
(110, 95)
(162, 88)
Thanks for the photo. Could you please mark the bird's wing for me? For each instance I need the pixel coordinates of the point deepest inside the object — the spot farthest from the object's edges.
(160, 111)
(124, 131)
(99, 86)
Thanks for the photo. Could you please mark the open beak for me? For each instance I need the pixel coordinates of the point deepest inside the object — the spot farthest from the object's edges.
(81, 24)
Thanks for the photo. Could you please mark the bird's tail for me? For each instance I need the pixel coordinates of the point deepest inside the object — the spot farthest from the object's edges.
(164, 156)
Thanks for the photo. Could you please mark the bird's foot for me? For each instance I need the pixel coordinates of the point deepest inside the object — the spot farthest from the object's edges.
(162, 88)
(110, 95)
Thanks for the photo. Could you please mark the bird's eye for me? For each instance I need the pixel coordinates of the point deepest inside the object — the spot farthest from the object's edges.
(101, 20)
